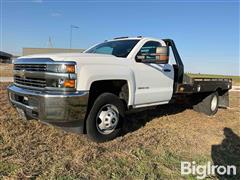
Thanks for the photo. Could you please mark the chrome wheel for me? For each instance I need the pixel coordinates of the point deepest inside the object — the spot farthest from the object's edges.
(214, 103)
(107, 119)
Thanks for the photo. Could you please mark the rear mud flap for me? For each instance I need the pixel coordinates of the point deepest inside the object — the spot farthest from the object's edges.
(223, 99)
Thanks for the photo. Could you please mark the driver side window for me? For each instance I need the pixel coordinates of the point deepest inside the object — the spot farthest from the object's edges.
(104, 50)
(148, 48)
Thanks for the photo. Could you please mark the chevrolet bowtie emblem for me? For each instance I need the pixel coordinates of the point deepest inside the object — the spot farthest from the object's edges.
(22, 73)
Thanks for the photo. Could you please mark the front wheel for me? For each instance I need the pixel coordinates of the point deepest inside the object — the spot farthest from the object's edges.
(105, 119)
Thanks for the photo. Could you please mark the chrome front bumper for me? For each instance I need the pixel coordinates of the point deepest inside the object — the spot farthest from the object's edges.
(51, 107)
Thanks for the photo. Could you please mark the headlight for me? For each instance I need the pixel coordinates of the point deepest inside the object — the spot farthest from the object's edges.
(61, 68)
(70, 68)
(66, 77)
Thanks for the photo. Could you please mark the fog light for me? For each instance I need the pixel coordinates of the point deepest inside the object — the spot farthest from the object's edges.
(69, 83)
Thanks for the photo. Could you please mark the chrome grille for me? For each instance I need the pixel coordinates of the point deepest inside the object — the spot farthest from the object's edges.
(31, 67)
(42, 74)
(33, 82)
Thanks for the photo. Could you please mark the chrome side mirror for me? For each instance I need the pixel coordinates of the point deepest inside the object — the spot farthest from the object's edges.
(161, 56)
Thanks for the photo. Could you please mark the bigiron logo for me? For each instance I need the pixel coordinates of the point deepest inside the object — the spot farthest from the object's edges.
(202, 171)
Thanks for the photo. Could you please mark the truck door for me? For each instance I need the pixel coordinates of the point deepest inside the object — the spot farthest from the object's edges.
(154, 82)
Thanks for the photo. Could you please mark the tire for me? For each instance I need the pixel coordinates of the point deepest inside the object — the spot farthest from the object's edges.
(105, 119)
(208, 105)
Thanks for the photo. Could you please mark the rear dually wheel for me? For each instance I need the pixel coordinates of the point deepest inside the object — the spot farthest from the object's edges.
(208, 105)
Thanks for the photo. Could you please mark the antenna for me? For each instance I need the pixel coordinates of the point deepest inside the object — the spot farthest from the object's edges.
(50, 45)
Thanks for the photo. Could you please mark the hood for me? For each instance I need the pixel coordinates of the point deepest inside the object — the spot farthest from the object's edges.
(64, 56)
(80, 58)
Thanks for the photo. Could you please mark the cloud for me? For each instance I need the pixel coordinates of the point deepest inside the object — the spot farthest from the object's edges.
(55, 14)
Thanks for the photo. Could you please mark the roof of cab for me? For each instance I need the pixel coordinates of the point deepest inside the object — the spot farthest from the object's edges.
(126, 38)
(134, 38)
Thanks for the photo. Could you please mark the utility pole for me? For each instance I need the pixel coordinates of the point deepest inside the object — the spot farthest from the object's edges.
(71, 28)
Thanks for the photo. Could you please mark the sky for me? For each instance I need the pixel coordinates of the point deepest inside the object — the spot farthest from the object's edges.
(206, 32)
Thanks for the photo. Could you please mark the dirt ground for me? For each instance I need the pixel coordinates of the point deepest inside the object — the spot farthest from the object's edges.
(154, 144)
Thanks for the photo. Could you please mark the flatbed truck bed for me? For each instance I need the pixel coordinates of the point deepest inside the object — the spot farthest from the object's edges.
(201, 85)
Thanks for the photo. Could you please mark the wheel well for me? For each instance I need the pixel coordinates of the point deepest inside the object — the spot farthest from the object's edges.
(117, 87)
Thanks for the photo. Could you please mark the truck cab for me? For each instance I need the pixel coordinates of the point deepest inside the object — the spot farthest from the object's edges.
(152, 83)
(91, 91)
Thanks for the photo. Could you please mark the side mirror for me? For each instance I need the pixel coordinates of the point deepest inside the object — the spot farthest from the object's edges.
(161, 56)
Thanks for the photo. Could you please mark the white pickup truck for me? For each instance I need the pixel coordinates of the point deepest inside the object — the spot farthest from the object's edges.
(91, 91)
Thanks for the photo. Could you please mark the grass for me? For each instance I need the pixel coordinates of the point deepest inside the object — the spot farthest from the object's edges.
(155, 143)
(8, 169)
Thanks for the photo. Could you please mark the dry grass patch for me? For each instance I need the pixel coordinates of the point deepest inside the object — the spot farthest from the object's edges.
(156, 142)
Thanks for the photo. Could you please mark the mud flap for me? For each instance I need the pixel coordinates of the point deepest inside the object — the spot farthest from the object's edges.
(223, 99)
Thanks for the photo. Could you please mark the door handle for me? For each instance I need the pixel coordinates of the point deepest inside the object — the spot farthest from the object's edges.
(167, 70)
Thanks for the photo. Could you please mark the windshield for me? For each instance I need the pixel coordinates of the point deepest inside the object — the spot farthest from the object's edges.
(119, 48)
